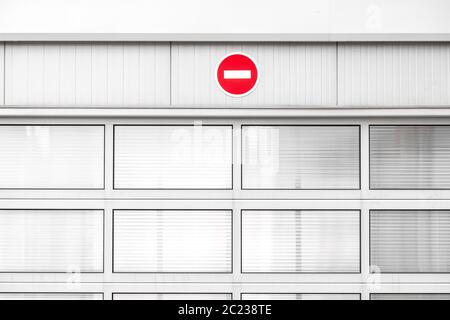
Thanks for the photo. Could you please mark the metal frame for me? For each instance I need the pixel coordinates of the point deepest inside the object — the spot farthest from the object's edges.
(221, 37)
(256, 112)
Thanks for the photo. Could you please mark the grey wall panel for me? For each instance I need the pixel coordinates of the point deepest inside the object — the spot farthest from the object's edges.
(51, 157)
(51, 241)
(87, 74)
(171, 296)
(290, 74)
(295, 241)
(410, 241)
(300, 296)
(393, 74)
(2, 73)
(409, 157)
(173, 157)
(300, 157)
(410, 296)
(51, 296)
(172, 241)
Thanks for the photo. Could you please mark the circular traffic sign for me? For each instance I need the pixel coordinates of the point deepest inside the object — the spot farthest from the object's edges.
(237, 74)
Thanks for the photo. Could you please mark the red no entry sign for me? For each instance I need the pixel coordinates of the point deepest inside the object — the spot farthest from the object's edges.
(237, 74)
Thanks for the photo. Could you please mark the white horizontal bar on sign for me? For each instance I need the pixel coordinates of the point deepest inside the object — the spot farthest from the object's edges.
(237, 74)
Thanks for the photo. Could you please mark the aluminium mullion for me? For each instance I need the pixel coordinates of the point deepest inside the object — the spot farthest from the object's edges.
(371, 279)
(108, 241)
(364, 178)
(109, 158)
(235, 206)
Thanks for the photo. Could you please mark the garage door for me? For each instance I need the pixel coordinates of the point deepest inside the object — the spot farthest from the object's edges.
(129, 201)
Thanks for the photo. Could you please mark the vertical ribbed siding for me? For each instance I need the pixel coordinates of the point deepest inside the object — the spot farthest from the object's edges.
(410, 241)
(173, 157)
(87, 74)
(300, 157)
(290, 74)
(300, 296)
(300, 241)
(51, 241)
(172, 241)
(410, 296)
(394, 74)
(410, 157)
(51, 296)
(51, 157)
(2, 73)
(171, 296)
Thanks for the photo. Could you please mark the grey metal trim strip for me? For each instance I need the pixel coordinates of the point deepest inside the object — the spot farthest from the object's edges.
(192, 112)
(222, 37)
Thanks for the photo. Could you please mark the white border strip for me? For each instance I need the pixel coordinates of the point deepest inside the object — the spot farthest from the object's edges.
(254, 112)
(226, 37)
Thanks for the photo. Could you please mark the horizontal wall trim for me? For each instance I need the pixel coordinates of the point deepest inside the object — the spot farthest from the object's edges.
(217, 112)
(219, 37)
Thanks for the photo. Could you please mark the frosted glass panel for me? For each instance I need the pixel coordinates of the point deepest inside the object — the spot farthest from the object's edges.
(51, 157)
(300, 157)
(171, 296)
(172, 241)
(409, 157)
(300, 296)
(300, 241)
(173, 157)
(51, 296)
(410, 241)
(410, 296)
(51, 241)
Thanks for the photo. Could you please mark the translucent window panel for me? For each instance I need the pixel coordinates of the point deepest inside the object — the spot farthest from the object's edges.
(300, 241)
(51, 296)
(51, 157)
(51, 241)
(409, 157)
(300, 157)
(171, 296)
(410, 296)
(172, 241)
(300, 296)
(410, 241)
(173, 157)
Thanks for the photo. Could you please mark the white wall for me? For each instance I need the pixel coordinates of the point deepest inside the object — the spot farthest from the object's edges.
(327, 17)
